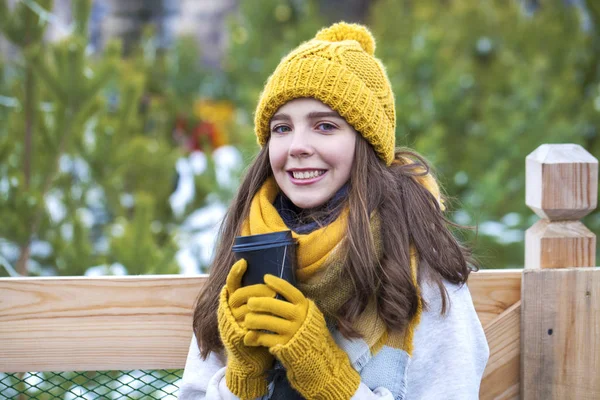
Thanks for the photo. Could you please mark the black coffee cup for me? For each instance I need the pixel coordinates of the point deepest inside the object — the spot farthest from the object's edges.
(271, 253)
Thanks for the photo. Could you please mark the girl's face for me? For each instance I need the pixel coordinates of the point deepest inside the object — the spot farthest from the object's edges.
(311, 151)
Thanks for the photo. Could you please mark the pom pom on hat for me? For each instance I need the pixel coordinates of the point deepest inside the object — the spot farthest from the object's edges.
(345, 31)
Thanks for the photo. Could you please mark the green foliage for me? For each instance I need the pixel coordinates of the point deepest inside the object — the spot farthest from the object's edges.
(260, 37)
(25, 24)
(136, 248)
(480, 85)
(89, 157)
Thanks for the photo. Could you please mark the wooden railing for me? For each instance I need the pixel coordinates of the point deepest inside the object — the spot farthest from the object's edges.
(108, 323)
(542, 323)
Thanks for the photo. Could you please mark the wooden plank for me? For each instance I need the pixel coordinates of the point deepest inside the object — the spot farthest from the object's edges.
(560, 331)
(82, 323)
(501, 376)
(493, 291)
(104, 323)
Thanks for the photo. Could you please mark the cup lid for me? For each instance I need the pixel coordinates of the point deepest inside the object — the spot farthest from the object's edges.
(266, 238)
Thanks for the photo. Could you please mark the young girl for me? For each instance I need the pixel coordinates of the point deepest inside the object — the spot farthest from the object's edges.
(380, 309)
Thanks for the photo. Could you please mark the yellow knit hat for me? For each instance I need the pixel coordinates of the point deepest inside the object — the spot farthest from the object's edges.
(338, 68)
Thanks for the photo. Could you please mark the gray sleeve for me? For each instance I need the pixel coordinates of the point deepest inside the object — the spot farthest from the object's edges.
(451, 351)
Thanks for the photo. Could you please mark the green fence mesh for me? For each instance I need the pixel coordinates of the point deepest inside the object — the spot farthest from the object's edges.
(136, 384)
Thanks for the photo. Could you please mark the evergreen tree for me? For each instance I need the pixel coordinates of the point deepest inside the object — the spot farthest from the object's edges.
(481, 84)
(88, 153)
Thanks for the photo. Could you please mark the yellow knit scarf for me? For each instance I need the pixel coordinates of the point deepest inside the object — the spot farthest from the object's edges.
(319, 266)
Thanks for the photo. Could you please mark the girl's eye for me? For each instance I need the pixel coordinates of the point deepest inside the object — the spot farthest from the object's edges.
(281, 129)
(327, 127)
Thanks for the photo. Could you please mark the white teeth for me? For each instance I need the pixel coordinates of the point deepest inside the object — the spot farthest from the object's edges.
(307, 175)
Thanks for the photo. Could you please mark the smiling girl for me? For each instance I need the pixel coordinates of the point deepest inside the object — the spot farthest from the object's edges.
(380, 309)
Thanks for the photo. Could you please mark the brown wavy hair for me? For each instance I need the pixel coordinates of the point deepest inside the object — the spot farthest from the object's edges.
(409, 213)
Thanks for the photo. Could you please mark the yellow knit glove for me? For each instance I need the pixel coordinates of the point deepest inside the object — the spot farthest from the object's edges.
(316, 367)
(246, 366)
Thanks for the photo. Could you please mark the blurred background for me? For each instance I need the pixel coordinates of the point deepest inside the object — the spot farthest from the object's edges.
(125, 124)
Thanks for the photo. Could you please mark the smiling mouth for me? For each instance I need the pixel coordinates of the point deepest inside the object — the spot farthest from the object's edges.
(307, 174)
(306, 177)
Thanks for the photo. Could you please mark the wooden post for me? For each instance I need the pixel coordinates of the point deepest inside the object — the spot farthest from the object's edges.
(560, 298)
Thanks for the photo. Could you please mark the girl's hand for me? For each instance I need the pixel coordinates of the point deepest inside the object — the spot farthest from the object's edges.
(298, 336)
(282, 318)
(246, 366)
(239, 296)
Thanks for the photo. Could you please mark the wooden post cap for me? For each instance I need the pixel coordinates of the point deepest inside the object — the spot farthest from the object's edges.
(561, 182)
(560, 244)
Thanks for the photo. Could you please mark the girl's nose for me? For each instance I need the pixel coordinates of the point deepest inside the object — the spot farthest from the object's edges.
(300, 145)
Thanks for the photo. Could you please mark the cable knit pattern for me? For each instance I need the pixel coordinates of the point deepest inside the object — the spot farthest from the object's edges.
(316, 367)
(338, 68)
(246, 366)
